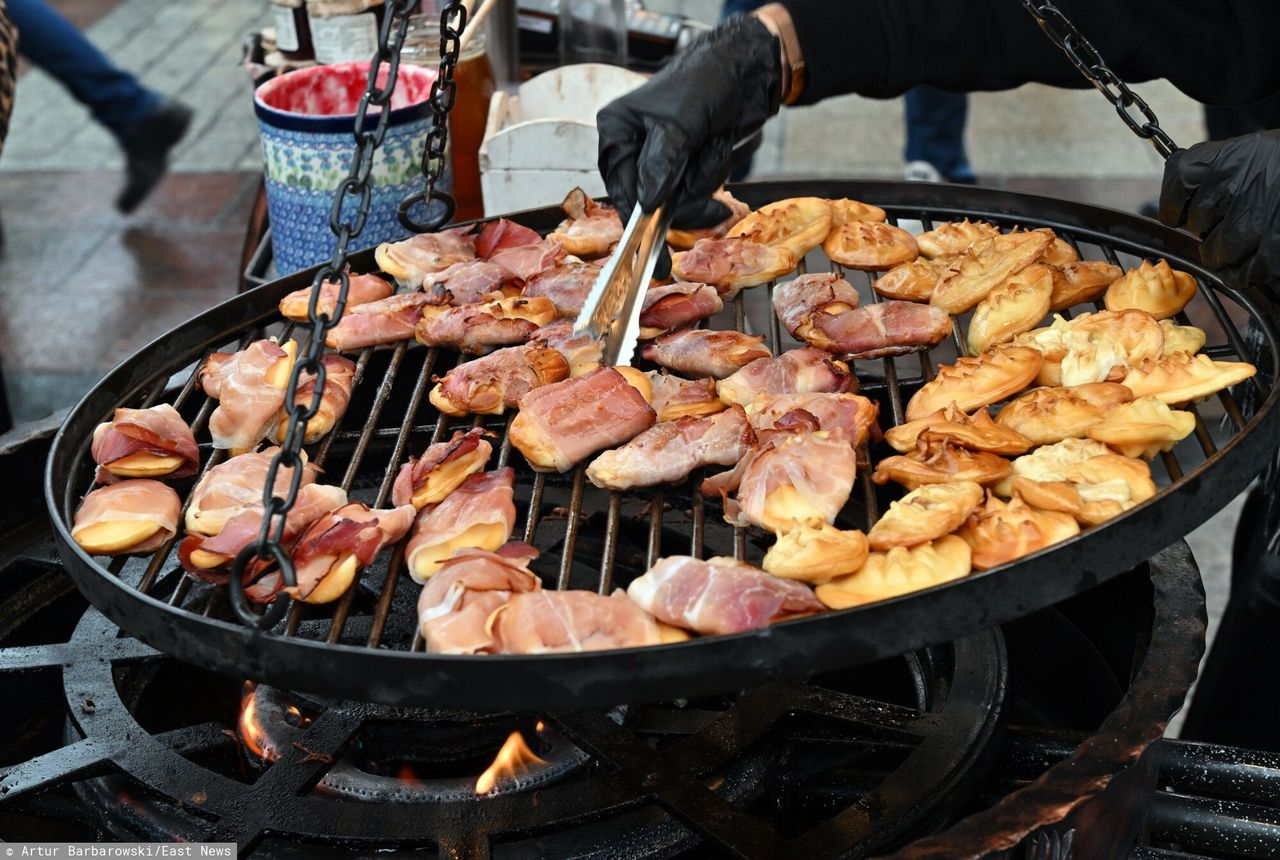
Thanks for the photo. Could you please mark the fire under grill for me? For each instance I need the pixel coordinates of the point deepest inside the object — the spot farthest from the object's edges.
(365, 646)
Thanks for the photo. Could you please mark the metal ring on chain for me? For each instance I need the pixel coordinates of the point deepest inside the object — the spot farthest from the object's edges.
(426, 198)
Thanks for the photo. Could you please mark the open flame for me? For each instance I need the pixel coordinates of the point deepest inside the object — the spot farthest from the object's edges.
(251, 731)
(514, 757)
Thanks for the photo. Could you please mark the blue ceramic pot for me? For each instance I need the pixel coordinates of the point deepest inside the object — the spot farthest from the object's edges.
(306, 119)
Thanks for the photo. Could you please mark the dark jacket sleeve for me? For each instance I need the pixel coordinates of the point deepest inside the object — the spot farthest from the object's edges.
(1216, 51)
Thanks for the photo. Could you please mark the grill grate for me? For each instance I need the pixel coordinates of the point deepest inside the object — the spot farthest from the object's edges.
(600, 540)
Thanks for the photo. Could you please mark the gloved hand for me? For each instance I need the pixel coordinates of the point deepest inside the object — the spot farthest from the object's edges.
(1228, 193)
(672, 137)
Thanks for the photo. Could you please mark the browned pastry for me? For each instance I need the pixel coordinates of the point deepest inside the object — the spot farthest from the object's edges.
(1011, 308)
(1000, 532)
(1094, 347)
(1181, 338)
(977, 432)
(910, 282)
(870, 245)
(1049, 461)
(901, 570)
(972, 383)
(798, 224)
(1059, 253)
(941, 463)
(816, 554)
(947, 240)
(683, 240)
(924, 514)
(1182, 377)
(1092, 491)
(846, 210)
(1143, 428)
(1158, 290)
(985, 264)
(1048, 415)
(1080, 282)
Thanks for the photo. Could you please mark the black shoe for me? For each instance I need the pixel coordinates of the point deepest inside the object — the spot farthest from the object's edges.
(1149, 209)
(147, 149)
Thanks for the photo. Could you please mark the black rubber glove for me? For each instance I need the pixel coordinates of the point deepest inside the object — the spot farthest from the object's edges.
(672, 138)
(1228, 193)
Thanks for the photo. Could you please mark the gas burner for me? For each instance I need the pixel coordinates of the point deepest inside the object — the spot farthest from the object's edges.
(416, 755)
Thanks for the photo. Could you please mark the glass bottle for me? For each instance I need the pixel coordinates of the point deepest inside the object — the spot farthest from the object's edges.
(293, 30)
(345, 30)
(475, 80)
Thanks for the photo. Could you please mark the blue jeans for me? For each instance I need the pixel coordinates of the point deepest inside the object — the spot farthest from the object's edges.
(50, 41)
(935, 131)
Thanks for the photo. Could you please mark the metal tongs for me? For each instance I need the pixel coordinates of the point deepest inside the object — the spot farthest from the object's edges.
(612, 309)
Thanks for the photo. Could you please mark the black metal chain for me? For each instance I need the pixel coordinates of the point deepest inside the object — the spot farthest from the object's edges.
(1089, 62)
(369, 134)
(444, 91)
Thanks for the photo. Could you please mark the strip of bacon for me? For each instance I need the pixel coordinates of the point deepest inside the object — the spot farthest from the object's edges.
(388, 320)
(410, 260)
(502, 234)
(562, 424)
(732, 264)
(874, 331)
(361, 289)
(795, 478)
(526, 261)
(249, 391)
(210, 558)
(127, 517)
(138, 443)
(583, 352)
(464, 283)
(667, 308)
(339, 378)
(704, 352)
(490, 385)
(481, 328)
(666, 453)
(853, 414)
(334, 548)
(455, 604)
(231, 488)
(718, 596)
(480, 514)
(591, 229)
(675, 397)
(546, 622)
(796, 371)
(566, 285)
(797, 300)
(441, 469)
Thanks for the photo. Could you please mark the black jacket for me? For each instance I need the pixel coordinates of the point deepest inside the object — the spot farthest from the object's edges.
(1216, 51)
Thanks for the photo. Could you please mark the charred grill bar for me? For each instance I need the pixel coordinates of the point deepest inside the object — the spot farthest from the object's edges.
(365, 645)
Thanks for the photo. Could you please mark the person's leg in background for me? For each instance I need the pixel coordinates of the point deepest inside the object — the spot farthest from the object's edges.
(935, 136)
(145, 123)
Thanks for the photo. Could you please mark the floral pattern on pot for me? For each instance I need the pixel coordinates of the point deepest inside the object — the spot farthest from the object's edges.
(303, 170)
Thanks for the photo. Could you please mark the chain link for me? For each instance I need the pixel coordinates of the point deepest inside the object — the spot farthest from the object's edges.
(444, 91)
(1131, 107)
(355, 193)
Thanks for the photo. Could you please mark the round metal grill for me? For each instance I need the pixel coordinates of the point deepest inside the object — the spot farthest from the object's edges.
(364, 646)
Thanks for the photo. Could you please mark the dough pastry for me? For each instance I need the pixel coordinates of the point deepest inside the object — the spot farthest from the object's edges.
(870, 245)
(977, 432)
(1183, 377)
(816, 555)
(947, 240)
(985, 264)
(911, 282)
(924, 514)
(846, 210)
(1080, 282)
(901, 570)
(1048, 415)
(798, 224)
(1000, 532)
(1012, 308)
(1143, 428)
(1158, 290)
(941, 463)
(975, 382)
